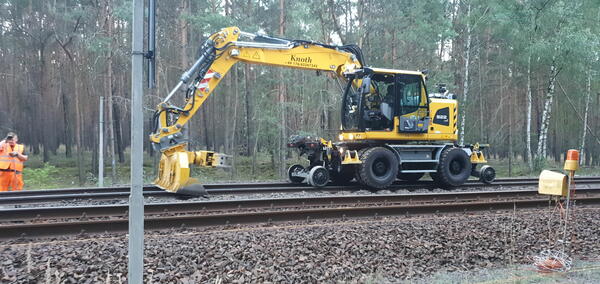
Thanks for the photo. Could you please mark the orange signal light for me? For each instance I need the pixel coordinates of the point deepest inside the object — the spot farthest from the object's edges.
(573, 155)
(572, 161)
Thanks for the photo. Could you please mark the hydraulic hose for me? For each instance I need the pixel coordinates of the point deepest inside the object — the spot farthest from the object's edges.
(208, 50)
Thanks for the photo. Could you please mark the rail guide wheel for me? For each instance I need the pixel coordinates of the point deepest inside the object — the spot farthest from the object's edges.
(296, 174)
(318, 176)
(487, 174)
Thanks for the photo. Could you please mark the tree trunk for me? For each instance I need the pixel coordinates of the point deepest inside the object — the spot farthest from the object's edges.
(585, 114)
(119, 145)
(67, 120)
(282, 98)
(480, 99)
(183, 27)
(466, 78)
(78, 130)
(528, 119)
(331, 4)
(205, 126)
(255, 147)
(547, 112)
(109, 97)
(43, 93)
(233, 147)
(248, 102)
(214, 144)
(510, 126)
(228, 83)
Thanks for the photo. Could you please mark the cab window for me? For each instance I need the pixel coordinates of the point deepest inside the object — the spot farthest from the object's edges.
(410, 93)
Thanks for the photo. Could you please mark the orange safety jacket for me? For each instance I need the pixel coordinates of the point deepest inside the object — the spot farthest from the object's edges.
(11, 163)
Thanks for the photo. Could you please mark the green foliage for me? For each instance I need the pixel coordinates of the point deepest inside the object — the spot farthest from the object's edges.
(539, 164)
(206, 23)
(400, 34)
(122, 10)
(44, 177)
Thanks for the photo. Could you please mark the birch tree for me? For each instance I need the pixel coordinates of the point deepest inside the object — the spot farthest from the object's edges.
(585, 113)
(547, 111)
(559, 36)
(466, 76)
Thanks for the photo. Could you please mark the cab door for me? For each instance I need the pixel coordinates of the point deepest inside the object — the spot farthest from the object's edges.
(412, 104)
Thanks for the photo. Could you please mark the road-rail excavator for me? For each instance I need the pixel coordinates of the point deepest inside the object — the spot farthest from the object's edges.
(391, 128)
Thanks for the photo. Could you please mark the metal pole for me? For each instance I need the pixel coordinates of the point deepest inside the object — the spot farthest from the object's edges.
(101, 143)
(570, 184)
(136, 198)
(151, 43)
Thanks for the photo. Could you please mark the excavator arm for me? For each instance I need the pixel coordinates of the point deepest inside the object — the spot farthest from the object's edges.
(217, 55)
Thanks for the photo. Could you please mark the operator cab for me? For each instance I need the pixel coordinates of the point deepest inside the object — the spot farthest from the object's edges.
(376, 100)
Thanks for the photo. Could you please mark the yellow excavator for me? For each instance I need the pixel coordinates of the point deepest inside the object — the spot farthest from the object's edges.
(391, 127)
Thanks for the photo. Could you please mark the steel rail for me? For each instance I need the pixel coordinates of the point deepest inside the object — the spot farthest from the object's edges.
(215, 186)
(22, 197)
(55, 212)
(396, 186)
(13, 200)
(82, 190)
(356, 206)
(148, 187)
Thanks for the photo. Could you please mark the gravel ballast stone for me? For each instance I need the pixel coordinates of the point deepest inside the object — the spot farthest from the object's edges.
(357, 250)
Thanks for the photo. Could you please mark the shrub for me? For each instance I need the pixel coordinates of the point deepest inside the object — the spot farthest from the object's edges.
(38, 177)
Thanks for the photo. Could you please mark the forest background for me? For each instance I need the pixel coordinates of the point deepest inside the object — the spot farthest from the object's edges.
(527, 76)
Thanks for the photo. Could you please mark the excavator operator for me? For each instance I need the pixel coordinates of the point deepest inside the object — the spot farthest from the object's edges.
(379, 104)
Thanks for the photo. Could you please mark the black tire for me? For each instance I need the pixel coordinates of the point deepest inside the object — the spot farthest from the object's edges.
(410, 176)
(360, 153)
(295, 179)
(454, 168)
(379, 168)
(318, 176)
(344, 176)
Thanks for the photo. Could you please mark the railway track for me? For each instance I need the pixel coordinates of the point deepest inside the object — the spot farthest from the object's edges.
(122, 192)
(73, 220)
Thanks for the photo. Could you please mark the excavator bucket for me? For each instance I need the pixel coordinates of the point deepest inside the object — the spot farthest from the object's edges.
(174, 170)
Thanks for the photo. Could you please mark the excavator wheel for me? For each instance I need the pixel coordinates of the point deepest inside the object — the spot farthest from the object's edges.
(453, 169)
(357, 168)
(295, 169)
(410, 176)
(318, 176)
(379, 167)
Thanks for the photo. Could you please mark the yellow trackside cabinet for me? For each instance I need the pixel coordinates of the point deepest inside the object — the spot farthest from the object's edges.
(552, 183)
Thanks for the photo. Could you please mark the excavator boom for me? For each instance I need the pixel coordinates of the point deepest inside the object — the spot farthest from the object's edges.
(217, 55)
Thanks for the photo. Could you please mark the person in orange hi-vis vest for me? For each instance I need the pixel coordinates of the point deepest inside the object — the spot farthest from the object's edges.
(11, 163)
